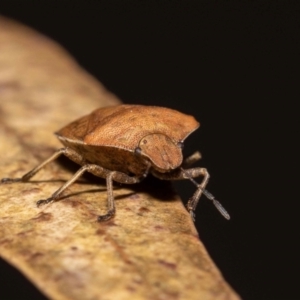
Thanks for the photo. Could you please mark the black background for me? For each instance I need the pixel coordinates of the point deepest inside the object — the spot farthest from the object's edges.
(234, 65)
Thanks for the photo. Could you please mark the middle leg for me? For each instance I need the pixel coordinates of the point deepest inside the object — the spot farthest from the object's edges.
(100, 172)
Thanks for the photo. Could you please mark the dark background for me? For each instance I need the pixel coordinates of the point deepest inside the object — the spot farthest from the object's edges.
(234, 65)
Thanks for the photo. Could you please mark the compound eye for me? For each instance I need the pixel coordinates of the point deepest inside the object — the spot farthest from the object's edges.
(138, 151)
(180, 145)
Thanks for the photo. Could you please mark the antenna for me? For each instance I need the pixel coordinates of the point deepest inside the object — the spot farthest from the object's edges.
(216, 203)
(209, 196)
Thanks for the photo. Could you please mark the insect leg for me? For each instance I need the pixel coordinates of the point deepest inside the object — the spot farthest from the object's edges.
(66, 151)
(110, 199)
(119, 177)
(100, 172)
(193, 201)
(56, 195)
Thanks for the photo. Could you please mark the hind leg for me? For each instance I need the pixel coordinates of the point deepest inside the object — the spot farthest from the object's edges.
(68, 152)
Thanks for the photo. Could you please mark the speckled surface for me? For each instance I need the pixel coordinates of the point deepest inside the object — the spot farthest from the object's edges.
(150, 250)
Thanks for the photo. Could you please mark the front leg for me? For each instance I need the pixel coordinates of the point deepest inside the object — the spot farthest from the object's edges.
(180, 174)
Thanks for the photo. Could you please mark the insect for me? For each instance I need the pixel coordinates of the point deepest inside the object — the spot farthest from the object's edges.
(124, 143)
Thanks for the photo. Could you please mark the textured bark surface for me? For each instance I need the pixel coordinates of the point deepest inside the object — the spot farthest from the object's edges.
(150, 250)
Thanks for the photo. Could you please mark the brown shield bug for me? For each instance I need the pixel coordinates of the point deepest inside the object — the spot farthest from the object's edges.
(125, 143)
